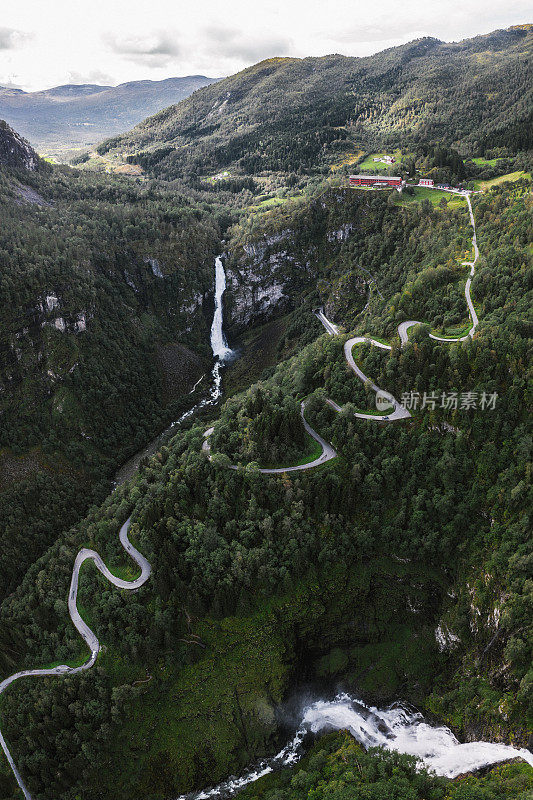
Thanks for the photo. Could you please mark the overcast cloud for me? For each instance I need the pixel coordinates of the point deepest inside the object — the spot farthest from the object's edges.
(10, 39)
(232, 43)
(112, 41)
(154, 50)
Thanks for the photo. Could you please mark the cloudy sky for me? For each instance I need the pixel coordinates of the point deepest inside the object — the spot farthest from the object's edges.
(43, 44)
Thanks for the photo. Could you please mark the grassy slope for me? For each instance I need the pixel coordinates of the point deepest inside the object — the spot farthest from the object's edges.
(435, 197)
(510, 176)
(369, 165)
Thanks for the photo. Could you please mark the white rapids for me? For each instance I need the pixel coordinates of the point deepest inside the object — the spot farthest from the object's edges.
(396, 728)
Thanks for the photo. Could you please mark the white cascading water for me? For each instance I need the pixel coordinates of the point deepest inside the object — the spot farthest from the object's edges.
(221, 352)
(219, 344)
(396, 728)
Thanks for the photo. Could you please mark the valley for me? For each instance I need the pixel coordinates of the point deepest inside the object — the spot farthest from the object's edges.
(68, 119)
(325, 554)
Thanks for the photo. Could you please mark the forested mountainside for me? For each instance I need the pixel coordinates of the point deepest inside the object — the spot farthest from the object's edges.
(103, 285)
(397, 569)
(75, 116)
(343, 249)
(289, 115)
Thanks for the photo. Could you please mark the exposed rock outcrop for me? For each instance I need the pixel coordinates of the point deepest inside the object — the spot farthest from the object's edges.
(261, 277)
(16, 152)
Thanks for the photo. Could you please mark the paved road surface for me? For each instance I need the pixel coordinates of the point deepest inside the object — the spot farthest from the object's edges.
(86, 633)
(399, 411)
(403, 327)
(472, 265)
(328, 453)
(329, 326)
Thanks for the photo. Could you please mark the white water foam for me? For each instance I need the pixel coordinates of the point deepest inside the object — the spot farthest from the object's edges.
(219, 344)
(396, 728)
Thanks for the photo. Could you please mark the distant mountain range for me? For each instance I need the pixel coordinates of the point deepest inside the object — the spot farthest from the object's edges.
(78, 115)
(293, 115)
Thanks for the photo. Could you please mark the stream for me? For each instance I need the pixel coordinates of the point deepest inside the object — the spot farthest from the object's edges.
(221, 352)
(398, 728)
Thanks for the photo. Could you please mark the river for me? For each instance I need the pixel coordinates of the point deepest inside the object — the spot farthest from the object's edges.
(398, 728)
(221, 353)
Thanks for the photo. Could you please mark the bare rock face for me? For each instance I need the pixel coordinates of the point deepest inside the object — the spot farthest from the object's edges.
(156, 267)
(16, 152)
(253, 297)
(259, 278)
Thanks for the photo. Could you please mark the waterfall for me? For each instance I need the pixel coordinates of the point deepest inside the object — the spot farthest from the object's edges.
(219, 344)
(221, 352)
(396, 728)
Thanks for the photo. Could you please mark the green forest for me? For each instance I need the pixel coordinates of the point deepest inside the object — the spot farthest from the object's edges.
(260, 581)
(398, 570)
(97, 351)
(300, 116)
(339, 769)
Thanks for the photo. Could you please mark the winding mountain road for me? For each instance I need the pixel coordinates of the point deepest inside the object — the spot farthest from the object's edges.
(328, 453)
(398, 411)
(83, 629)
(404, 326)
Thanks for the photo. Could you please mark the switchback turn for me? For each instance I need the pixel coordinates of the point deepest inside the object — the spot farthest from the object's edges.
(397, 410)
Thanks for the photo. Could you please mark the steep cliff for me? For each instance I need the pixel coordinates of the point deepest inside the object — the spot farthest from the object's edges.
(102, 336)
(16, 152)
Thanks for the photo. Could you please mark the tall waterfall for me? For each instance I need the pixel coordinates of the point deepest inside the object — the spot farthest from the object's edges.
(396, 728)
(221, 352)
(219, 344)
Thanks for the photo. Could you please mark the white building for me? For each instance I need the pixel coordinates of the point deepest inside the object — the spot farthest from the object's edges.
(426, 182)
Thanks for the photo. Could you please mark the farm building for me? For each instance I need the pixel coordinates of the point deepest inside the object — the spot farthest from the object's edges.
(426, 182)
(374, 180)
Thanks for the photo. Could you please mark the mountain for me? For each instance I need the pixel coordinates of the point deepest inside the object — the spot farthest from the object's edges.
(398, 570)
(73, 91)
(102, 335)
(295, 539)
(288, 114)
(16, 152)
(79, 115)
